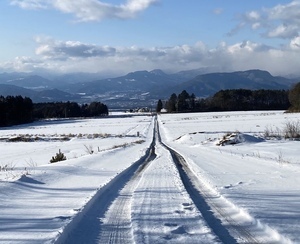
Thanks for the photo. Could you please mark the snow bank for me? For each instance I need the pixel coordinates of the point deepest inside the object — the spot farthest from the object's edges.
(236, 138)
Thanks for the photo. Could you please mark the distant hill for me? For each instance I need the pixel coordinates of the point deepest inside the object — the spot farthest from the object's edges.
(39, 82)
(135, 89)
(50, 95)
(25, 80)
(136, 81)
(12, 90)
(209, 84)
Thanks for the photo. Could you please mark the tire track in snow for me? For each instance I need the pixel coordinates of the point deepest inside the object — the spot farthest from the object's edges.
(124, 221)
(106, 217)
(116, 225)
(162, 211)
(219, 213)
(197, 197)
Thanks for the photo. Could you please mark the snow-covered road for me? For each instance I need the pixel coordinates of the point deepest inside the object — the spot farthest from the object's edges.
(144, 185)
(162, 210)
(153, 206)
(163, 200)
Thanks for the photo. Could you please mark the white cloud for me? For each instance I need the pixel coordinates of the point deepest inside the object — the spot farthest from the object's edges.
(284, 31)
(295, 43)
(253, 19)
(89, 10)
(289, 12)
(281, 21)
(253, 16)
(22, 64)
(256, 25)
(74, 56)
(31, 4)
(52, 49)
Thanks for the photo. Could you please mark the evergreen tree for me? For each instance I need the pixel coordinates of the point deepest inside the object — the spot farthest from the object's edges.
(15, 110)
(192, 102)
(235, 100)
(172, 103)
(294, 97)
(183, 101)
(159, 106)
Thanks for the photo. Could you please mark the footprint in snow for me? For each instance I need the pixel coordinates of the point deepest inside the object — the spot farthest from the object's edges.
(188, 206)
(230, 186)
(62, 217)
(179, 211)
(177, 231)
(171, 224)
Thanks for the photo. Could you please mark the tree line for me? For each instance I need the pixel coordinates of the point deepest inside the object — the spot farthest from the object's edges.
(229, 100)
(294, 98)
(68, 110)
(16, 110)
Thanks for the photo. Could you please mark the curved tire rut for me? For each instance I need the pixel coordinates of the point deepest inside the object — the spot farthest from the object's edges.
(228, 230)
(113, 198)
(107, 216)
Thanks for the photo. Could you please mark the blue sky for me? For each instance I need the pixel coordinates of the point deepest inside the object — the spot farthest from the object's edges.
(119, 36)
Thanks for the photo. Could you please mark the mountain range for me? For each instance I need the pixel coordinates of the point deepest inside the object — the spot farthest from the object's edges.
(135, 89)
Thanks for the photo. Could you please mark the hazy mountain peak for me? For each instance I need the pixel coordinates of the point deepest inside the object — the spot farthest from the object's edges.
(157, 72)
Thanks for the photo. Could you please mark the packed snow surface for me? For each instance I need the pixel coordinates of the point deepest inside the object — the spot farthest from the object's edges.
(254, 177)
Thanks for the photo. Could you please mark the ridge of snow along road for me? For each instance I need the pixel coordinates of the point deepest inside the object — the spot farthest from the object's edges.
(121, 224)
(39, 199)
(258, 180)
(152, 206)
(243, 227)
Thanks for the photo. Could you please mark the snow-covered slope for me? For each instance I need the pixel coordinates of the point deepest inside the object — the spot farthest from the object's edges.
(255, 181)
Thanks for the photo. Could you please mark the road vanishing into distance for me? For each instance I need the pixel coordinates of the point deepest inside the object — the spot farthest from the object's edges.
(159, 199)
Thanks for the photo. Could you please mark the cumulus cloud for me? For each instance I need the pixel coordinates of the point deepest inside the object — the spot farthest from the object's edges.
(288, 17)
(288, 12)
(23, 64)
(284, 31)
(295, 43)
(281, 21)
(74, 56)
(51, 49)
(89, 10)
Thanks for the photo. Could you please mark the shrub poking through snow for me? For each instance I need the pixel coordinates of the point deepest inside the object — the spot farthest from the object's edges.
(89, 149)
(292, 130)
(58, 157)
(228, 139)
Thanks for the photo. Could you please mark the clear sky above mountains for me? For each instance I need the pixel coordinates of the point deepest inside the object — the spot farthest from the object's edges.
(119, 36)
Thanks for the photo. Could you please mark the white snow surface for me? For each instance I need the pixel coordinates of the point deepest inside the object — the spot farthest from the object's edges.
(260, 177)
(257, 179)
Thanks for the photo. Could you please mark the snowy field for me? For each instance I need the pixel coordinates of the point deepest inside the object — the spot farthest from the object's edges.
(254, 182)
(260, 177)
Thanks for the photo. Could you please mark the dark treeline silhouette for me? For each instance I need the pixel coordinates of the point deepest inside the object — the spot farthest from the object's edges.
(15, 110)
(230, 100)
(294, 97)
(68, 110)
(18, 110)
